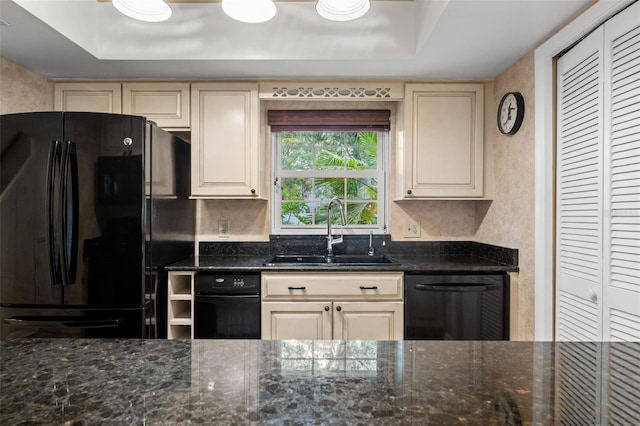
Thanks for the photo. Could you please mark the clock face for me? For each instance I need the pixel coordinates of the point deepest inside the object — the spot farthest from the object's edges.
(510, 113)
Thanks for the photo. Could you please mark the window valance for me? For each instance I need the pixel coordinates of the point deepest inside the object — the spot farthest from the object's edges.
(365, 120)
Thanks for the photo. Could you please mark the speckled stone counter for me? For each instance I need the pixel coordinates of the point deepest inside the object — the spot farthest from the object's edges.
(410, 257)
(159, 382)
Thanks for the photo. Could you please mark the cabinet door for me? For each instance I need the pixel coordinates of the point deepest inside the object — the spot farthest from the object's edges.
(292, 320)
(165, 103)
(444, 141)
(225, 149)
(368, 321)
(88, 97)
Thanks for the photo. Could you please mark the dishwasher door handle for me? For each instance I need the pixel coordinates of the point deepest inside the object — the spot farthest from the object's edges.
(457, 288)
(214, 298)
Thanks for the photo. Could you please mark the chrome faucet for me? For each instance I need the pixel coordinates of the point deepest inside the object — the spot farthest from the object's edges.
(371, 251)
(330, 240)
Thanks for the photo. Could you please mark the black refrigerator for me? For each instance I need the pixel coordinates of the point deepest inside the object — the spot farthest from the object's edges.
(92, 207)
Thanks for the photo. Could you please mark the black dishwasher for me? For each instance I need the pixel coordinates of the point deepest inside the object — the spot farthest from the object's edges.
(227, 306)
(456, 307)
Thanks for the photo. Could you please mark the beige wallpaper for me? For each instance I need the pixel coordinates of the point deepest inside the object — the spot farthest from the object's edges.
(509, 220)
(22, 90)
(506, 221)
(250, 220)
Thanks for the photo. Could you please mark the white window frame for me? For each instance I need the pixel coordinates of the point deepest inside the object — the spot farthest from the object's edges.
(382, 175)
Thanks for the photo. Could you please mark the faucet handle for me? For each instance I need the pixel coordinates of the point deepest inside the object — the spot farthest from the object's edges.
(371, 251)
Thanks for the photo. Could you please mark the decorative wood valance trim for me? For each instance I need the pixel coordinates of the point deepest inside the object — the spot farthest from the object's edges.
(332, 90)
(369, 120)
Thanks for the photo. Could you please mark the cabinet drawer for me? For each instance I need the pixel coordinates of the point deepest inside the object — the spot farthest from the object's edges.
(332, 285)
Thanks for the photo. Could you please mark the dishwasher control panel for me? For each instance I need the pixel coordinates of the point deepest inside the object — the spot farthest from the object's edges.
(226, 283)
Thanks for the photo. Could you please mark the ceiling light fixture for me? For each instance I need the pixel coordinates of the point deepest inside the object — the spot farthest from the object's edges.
(250, 11)
(342, 10)
(144, 10)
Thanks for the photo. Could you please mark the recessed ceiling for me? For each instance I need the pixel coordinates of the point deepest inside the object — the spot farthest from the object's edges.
(421, 39)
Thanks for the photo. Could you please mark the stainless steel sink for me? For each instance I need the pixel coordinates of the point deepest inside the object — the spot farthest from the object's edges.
(341, 259)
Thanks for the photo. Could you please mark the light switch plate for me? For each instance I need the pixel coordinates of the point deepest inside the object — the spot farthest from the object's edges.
(412, 229)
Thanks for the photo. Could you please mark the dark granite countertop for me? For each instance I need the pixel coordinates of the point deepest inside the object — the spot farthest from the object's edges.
(405, 263)
(160, 382)
(410, 257)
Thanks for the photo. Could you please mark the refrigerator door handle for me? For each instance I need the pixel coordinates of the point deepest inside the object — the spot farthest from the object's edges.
(52, 209)
(69, 213)
(61, 225)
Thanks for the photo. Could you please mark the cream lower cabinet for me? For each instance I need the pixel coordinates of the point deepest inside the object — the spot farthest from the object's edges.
(332, 305)
(443, 141)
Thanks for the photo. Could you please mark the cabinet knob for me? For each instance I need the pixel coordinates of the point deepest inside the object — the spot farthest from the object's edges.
(592, 294)
(253, 191)
(339, 308)
(326, 308)
(409, 192)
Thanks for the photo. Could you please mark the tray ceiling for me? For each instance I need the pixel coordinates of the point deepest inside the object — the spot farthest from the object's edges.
(440, 39)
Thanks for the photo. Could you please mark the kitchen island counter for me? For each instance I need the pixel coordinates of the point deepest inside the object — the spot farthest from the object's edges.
(159, 382)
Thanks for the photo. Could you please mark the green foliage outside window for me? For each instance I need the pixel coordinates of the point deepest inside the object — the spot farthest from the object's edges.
(320, 156)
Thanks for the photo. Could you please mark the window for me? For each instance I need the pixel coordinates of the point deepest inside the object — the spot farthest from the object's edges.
(314, 163)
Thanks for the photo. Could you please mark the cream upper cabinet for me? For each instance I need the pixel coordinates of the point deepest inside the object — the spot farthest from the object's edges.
(443, 141)
(88, 97)
(225, 141)
(332, 305)
(166, 103)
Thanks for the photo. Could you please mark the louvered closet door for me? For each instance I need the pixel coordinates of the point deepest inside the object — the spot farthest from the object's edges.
(621, 284)
(579, 192)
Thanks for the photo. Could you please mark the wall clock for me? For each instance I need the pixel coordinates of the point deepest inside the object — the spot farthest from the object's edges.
(510, 113)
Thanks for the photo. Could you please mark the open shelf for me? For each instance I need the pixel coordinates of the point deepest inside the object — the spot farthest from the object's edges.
(179, 332)
(180, 315)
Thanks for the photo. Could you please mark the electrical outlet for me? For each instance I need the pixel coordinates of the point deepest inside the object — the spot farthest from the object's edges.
(412, 229)
(223, 228)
